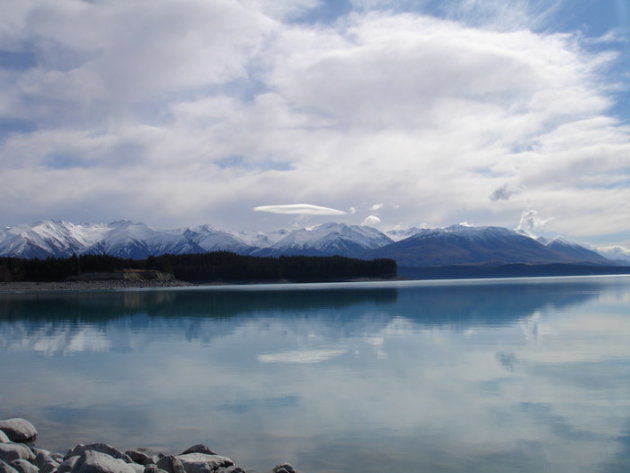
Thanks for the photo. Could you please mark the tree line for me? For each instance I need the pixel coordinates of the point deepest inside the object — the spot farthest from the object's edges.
(205, 267)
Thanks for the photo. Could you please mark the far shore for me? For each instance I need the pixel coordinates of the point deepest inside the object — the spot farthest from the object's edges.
(30, 286)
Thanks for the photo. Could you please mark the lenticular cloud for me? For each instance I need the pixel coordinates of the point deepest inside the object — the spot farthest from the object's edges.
(299, 209)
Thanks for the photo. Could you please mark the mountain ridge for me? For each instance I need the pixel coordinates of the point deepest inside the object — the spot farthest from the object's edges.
(420, 247)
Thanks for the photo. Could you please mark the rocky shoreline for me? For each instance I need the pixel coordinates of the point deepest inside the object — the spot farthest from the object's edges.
(18, 454)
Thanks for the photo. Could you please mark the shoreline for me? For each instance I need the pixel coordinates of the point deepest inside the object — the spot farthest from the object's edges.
(19, 454)
(109, 285)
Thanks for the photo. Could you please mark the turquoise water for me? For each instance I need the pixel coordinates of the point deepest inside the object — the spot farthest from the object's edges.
(486, 376)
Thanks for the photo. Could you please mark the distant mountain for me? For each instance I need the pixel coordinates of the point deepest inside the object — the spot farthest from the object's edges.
(49, 238)
(328, 239)
(414, 247)
(574, 252)
(461, 244)
(616, 253)
(207, 238)
(124, 239)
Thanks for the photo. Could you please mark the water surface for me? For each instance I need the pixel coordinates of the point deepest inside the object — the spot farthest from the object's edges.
(527, 375)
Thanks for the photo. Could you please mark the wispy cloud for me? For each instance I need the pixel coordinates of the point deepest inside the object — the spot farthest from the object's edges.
(301, 356)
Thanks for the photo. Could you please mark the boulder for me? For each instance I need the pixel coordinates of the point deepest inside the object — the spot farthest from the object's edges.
(68, 465)
(140, 457)
(199, 448)
(136, 467)
(98, 447)
(170, 464)
(284, 468)
(6, 468)
(18, 430)
(15, 451)
(49, 467)
(153, 469)
(203, 463)
(93, 461)
(22, 466)
(44, 457)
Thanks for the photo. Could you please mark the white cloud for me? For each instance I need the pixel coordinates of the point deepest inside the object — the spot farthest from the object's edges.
(531, 222)
(299, 209)
(138, 105)
(371, 221)
(376, 207)
(301, 356)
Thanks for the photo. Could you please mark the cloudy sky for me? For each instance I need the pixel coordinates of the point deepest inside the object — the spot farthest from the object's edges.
(259, 114)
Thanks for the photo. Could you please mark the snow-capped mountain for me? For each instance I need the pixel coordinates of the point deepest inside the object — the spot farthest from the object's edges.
(206, 238)
(328, 239)
(457, 244)
(463, 244)
(127, 239)
(124, 239)
(49, 238)
(574, 251)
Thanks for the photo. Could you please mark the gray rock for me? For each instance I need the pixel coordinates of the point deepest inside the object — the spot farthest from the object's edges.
(231, 469)
(199, 448)
(284, 468)
(171, 464)
(93, 461)
(18, 430)
(4, 438)
(15, 451)
(140, 457)
(98, 447)
(68, 464)
(41, 457)
(23, 466)
(203, 463)
(6, 468)
(136, 467)
(49, 467)
(153, 469)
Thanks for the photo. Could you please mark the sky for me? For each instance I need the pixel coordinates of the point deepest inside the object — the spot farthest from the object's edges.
(259, 114)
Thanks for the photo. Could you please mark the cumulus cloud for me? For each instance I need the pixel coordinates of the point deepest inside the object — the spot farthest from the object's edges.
(299, 209)
(371, 221)
(138, 105)
(531, 222)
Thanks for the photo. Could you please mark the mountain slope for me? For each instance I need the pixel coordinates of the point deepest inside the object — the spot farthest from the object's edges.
(575, 252)
(459, 244)
(328, 239)
(49, 238)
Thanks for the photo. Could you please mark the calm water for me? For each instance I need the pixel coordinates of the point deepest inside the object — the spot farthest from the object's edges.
(477, 376)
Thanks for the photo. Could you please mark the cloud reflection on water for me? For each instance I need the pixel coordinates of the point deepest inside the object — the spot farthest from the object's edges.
(509, 377)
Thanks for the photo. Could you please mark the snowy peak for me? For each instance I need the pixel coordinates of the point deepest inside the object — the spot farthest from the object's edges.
(48, 238)
(463, 244)
(453, 245)
(207, 238)
(571, 250)
(328, 239)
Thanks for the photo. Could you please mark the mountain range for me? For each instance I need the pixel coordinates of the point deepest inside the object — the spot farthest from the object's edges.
(414, 247)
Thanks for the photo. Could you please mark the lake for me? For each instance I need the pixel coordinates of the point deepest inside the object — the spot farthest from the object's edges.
(512, 375)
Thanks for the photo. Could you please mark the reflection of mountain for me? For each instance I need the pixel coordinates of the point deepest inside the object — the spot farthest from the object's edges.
(433, 304)
(482, 304)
